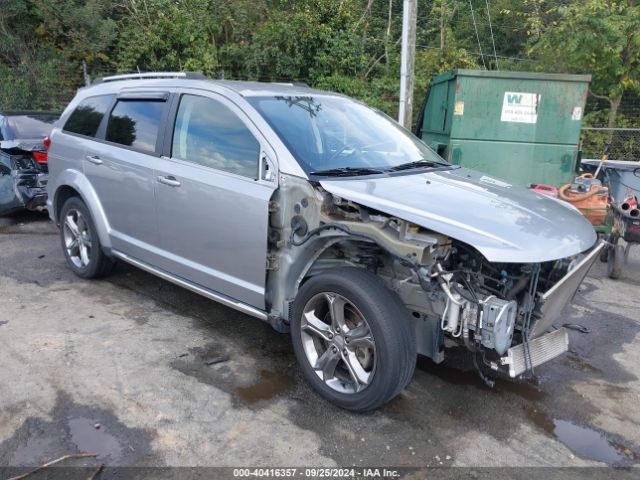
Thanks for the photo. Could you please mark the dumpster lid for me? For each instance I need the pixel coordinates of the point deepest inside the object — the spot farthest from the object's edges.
(463, 72)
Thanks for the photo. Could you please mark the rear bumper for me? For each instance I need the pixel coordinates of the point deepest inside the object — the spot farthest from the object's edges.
(31, 188)
(29, 192)
(37, 202)
(540, 350)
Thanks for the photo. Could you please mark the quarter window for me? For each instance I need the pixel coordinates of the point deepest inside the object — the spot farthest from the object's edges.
(210, 134)
(135, 123)
(87, 116)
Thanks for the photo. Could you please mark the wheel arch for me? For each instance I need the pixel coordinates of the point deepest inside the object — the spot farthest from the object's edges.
(309, 264)
(72, 183)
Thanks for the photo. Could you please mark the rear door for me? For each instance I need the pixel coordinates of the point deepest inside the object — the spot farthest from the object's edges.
(212, 199)
(121, 169)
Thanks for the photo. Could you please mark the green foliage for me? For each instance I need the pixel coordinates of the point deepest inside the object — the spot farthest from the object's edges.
(349, 46)
(600, 37)
(167, 35)
(41, 46)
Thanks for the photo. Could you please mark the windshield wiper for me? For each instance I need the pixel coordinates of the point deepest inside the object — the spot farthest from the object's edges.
(417, 164)
(347, 171)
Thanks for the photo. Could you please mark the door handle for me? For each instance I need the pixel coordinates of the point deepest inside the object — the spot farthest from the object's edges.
(169, 180)
(94, 159)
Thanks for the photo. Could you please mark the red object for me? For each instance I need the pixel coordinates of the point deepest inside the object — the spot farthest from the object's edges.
(47, 143)
(633, 203)
(546, 190)
(40, 157)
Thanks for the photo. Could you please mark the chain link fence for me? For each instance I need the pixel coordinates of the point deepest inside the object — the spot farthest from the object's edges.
(623, 138)
(624, 143)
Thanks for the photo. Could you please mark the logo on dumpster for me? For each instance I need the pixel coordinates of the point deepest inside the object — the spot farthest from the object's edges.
(520, 107)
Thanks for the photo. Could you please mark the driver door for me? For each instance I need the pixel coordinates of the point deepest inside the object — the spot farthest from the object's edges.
(212, 202)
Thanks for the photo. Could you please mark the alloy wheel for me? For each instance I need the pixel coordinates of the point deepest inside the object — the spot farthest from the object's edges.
(77, 238)
(338, 343)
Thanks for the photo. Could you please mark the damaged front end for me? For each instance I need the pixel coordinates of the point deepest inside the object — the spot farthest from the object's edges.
(504, 312)
(23, 181)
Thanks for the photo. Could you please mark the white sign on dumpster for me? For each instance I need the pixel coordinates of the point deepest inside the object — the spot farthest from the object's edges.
(520, 107)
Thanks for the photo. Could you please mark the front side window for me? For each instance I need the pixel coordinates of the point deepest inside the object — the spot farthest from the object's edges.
(135, 123)
(330, 132)
(87, 116)
(208, 133)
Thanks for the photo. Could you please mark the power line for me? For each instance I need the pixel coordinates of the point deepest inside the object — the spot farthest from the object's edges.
(473, 16)
(492, 39)
(504, 57)
(475, 52)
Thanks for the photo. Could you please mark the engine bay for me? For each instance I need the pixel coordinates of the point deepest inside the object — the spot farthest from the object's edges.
(455, 295)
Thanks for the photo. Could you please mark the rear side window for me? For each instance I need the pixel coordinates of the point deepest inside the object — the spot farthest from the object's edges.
(210, 134)
(135, 123)
(87, 116)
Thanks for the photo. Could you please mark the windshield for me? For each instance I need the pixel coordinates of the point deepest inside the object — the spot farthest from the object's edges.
(327, 132)
(30, 126)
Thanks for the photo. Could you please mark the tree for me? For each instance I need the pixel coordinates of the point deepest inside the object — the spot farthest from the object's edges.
(600, 37)
(42, 45)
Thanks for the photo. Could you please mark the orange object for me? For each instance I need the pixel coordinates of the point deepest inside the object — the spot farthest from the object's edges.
(593, 204)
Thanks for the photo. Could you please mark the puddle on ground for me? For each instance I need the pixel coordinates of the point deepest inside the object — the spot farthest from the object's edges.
(584, 441)
(213, 365)
(268, 386)
(88, 438)
(455, 376)
(71, 428)
(577, 363)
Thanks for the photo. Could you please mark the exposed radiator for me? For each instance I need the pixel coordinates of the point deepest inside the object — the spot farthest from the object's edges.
(542, 350)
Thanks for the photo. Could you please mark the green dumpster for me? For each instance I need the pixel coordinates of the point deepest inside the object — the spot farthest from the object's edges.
(519, 126)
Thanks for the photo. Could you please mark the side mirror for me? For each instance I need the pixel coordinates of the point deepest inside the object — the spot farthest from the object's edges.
(636, 172)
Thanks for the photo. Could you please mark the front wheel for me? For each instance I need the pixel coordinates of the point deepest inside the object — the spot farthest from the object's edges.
(353, 338)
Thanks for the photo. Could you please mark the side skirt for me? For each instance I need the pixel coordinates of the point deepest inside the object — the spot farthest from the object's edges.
(224, 300)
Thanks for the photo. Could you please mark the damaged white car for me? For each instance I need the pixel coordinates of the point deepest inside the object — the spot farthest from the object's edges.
(320, 215)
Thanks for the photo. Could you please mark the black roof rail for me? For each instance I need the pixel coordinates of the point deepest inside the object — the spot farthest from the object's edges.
(149, 76)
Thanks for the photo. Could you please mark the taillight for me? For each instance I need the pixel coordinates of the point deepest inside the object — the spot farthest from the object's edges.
(47, 144)
(40, 157)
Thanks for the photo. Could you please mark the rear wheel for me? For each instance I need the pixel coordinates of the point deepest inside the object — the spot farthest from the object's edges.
(353, 338)
(604, 254)
(80, 243)
(615, 259)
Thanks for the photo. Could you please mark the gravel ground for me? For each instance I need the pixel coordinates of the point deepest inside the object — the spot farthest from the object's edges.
(147, 374)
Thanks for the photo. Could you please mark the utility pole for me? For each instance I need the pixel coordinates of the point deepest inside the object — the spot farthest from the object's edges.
(85, 74)
(409, 14)
(443, 31)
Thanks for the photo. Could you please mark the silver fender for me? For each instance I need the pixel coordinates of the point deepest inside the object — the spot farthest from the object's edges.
(79, 182)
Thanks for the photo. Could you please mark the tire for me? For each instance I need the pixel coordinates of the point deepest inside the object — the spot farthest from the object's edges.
(604, 254)
(615, 261)
(76, 224)
(376, 333)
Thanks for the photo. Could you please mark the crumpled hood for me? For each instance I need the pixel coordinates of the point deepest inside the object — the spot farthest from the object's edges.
(506, 223)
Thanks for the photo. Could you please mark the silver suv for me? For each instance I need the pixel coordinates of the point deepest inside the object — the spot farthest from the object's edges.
(321, 216)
